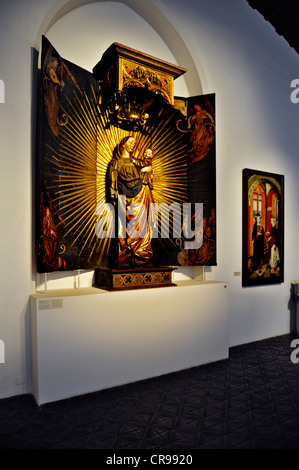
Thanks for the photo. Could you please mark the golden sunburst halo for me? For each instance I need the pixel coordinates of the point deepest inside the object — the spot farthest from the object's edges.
(86, 147)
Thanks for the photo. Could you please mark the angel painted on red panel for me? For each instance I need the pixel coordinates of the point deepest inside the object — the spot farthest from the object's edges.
(48, 243)
(201, 125)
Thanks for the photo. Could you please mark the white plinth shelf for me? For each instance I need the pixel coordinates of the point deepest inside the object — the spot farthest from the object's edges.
(85, 340)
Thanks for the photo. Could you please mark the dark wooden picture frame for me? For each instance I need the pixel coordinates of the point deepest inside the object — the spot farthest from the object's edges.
(263, 228)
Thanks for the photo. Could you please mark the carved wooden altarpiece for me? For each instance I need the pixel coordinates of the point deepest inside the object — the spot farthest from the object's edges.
(83, 116)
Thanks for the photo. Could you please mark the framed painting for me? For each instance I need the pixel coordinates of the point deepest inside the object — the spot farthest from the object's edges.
(263, 228)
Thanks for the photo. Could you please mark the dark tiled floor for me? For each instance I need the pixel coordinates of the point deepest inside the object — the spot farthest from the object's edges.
(249, 401)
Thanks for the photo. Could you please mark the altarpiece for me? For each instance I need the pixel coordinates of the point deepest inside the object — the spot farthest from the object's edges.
(115, 146)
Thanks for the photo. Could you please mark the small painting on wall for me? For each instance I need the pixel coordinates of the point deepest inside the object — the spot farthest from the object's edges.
(263, 228)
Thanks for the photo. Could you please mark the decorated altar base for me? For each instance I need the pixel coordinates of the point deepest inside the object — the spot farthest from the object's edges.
(139, 278)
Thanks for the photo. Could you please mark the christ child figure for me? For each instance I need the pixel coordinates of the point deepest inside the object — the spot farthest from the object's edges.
(146, 163)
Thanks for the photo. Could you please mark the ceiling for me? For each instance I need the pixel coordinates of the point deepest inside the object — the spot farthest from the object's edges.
(283, 15)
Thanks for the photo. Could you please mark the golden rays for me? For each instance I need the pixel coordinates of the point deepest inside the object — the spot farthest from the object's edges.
(86, 147)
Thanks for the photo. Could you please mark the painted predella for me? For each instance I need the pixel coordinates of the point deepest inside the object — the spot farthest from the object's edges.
(263, 228)
(126, 171)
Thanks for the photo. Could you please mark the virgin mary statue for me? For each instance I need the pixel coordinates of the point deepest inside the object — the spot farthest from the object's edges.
(132, 195)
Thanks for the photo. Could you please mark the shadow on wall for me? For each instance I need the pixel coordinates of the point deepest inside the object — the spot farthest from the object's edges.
(34, 110)
(292, 306)
(155, 18)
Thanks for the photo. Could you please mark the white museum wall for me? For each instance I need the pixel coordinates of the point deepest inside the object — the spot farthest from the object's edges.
(228, 49)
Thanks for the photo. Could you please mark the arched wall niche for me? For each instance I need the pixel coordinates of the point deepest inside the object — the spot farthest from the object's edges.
(55, 27)
(155, 17)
